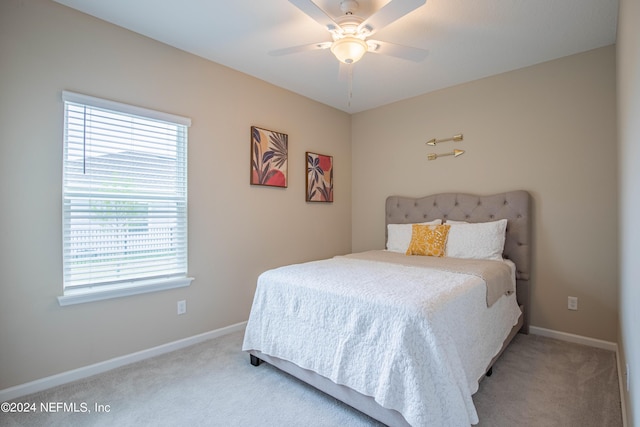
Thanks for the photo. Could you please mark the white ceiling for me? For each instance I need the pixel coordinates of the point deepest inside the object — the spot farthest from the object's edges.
(466, 40)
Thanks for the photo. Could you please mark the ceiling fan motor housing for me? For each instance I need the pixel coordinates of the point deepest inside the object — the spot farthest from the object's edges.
(349, 27)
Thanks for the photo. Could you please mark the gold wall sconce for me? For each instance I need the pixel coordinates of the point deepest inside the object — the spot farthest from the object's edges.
(454, 138)
(454, 153)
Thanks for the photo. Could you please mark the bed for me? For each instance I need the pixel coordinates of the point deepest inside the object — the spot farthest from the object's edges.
(404, 339)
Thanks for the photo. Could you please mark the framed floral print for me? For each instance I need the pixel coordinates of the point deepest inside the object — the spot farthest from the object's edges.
(319, 178)
(269, 152)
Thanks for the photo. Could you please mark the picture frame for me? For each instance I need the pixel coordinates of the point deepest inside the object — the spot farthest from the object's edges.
(319, 177)
(269, 157)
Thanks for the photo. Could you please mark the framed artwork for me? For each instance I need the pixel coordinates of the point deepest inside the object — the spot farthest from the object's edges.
(319, 178)
(269, 151)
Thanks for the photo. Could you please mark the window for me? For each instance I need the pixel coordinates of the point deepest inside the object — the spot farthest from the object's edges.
(124, 200)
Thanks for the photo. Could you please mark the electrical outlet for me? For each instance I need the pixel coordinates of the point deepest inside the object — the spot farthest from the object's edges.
(182, 307)
(572, 303)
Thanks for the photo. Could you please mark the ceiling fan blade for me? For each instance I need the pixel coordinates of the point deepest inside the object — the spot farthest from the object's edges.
(316, 13)
(399, 51)
(301, 48)
(390, 12)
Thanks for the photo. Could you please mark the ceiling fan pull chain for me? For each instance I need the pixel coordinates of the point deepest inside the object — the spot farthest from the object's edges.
(350, 85)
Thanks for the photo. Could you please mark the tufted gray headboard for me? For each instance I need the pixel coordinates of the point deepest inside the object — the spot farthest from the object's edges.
(515, 206)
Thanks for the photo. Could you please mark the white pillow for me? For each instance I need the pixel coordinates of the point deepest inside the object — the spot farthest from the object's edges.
(399, 235)
(482, 240)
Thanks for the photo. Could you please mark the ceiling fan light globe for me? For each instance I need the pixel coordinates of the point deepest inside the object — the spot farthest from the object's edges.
(349, 49)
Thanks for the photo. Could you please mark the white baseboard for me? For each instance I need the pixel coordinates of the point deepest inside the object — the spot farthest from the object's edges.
(100, 367)
(622, 385)
(577, 339)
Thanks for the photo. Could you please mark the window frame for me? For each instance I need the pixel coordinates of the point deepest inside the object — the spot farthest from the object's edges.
(115, 289)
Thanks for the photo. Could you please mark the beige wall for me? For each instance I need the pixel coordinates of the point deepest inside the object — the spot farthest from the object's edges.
(549, 129)
(628, 66)
(235, 230)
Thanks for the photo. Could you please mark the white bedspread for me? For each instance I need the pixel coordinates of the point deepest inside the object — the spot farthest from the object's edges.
(417, 340)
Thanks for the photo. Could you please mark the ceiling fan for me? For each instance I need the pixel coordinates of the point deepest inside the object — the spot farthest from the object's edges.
(350, 33)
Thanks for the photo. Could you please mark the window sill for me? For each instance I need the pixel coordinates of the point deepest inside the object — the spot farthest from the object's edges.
(80, 296)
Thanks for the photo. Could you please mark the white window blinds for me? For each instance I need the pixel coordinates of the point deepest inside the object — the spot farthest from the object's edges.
(124, 194)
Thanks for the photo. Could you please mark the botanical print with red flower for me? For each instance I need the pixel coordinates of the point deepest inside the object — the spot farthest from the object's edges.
(319, 178)
(268, 157)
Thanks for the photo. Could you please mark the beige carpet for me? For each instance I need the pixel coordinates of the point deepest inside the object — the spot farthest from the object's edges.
(537, 382)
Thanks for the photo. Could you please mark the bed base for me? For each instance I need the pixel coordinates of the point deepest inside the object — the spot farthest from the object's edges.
(356, 400)
(517, 328)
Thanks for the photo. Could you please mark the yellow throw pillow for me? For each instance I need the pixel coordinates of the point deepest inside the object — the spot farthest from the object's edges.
(429, 240)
